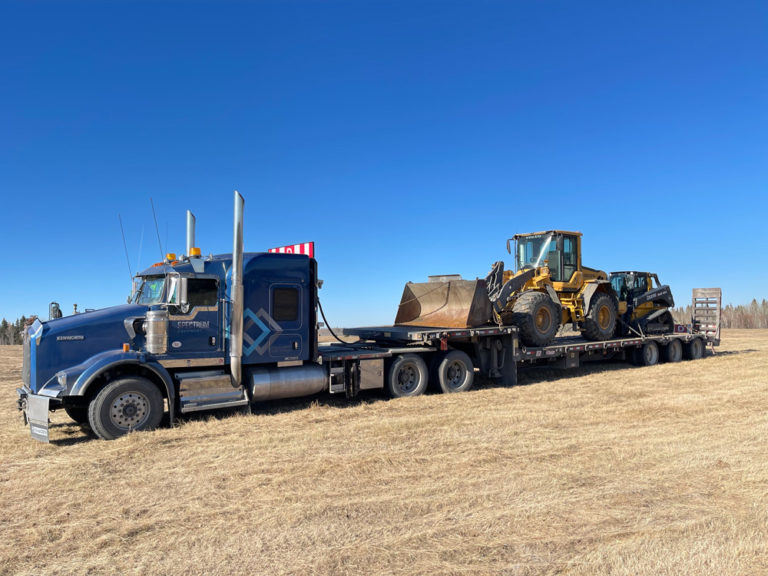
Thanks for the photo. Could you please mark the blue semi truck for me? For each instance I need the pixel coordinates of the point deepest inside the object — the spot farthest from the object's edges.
(219, 332)
(226, 331)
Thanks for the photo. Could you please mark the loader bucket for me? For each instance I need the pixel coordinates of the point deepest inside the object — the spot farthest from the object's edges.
(445, 303)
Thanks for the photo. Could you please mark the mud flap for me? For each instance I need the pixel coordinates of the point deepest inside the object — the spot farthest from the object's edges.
(36, 413)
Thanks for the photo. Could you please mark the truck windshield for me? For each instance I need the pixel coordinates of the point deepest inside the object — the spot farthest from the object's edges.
(151, 291)
(532, 250)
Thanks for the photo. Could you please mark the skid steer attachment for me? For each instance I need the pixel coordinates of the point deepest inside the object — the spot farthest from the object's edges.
(445, 301)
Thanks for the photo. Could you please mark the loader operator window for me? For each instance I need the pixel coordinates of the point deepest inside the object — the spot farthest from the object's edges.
(532, 251)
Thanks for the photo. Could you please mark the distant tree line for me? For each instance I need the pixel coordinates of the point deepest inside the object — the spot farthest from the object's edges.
(10, 332)
(755, 315)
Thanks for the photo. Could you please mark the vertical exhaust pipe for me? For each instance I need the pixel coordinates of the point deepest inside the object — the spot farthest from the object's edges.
(236, 294)
(190, 232)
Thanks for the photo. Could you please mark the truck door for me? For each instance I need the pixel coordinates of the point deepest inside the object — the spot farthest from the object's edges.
(193, 330)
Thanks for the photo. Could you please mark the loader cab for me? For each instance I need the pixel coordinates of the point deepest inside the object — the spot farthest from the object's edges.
(560, 251)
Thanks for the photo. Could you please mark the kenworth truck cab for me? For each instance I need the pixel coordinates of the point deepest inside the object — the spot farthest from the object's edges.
(199, 333)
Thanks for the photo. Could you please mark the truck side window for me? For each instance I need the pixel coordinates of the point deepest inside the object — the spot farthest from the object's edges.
(285, 304)
(202, 292)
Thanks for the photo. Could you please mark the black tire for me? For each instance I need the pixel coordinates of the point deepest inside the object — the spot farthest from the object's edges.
(694, 349)
(77, 411)
(647, 354)
(673, 352)
(600, 322)
(455, 372)
(125, 406)
(537, 318)
(406, 376)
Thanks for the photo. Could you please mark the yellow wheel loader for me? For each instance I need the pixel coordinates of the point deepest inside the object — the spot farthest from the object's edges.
(644, 304)
(550, 287)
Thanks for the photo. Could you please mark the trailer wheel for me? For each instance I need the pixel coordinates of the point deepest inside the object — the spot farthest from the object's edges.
(673, 352)
(694, 349)
(124, 406)
(647, 355)
(455, 372)
(600, 321)
(407, 376)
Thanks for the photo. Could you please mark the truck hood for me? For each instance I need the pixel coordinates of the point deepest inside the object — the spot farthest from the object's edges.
(68, 341)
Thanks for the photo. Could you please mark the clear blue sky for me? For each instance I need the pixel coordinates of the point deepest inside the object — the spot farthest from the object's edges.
(405, 138)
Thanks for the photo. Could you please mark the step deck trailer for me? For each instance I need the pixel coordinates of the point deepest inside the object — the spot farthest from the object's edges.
(497, 353)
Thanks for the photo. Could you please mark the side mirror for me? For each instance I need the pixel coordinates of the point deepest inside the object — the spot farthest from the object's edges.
(183, 299)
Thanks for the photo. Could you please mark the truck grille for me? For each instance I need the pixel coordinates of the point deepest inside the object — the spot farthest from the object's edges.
(25, 362)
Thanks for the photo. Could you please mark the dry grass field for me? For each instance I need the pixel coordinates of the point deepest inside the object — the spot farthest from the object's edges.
(606, 470)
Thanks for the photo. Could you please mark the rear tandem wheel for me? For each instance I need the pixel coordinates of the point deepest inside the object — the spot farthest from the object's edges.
(406, 376)
(455, 372)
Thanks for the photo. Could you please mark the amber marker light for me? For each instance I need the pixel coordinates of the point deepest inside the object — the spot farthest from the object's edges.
(126, 347)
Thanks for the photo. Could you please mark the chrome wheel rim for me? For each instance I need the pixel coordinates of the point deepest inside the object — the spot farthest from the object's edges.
(129, 410)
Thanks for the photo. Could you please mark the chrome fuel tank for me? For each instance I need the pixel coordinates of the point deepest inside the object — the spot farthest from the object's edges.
(285, 382)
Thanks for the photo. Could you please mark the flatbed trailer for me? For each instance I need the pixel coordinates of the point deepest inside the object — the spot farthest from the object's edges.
(497, 354)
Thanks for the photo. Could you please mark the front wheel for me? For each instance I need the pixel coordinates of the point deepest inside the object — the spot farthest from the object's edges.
(537, 317)
(124, 406)
(407, 376)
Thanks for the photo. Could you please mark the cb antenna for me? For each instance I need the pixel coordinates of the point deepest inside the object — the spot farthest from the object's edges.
(162, 256)
(125, 246)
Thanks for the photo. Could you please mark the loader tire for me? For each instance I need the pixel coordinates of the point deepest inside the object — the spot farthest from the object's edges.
(125, 405)
(537, 317)
(600, 321)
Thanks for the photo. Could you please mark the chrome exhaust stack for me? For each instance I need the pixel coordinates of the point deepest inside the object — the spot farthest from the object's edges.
(190, 233)
(236, 295)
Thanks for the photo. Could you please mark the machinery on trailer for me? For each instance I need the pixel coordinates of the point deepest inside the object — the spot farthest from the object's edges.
(550, 287)
(644, 303)
(236, 329)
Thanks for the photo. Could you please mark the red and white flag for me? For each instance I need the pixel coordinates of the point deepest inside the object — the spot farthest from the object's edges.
(307, 248)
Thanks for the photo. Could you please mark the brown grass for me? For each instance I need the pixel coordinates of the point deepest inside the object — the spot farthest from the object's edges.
(612, 470)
